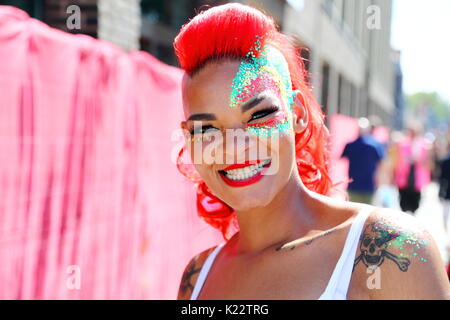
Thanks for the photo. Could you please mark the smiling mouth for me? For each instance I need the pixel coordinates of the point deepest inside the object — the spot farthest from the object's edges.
(245, 175)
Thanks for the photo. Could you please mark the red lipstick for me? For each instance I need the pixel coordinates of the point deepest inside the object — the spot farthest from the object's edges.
(242, 165)
(246, 182)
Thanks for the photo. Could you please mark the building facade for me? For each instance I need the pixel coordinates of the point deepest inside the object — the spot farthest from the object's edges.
(117, 21)
(345, 43)
(350, 55)
(399, 114)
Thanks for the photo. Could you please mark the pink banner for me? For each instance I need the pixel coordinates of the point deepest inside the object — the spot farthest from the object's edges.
(343, 129)
(91, 203)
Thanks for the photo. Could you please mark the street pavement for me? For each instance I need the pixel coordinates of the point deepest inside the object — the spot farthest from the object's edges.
(430, 214)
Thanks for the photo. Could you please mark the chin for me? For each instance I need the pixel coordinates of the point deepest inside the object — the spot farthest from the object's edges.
(243, 207)
(251, 199)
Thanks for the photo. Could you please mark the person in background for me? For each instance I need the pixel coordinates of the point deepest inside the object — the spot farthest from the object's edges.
(386, 195)
(444, 188)
(412, 170)
(364, 155)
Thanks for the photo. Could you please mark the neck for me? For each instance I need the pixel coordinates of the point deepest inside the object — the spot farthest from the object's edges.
(286, 218)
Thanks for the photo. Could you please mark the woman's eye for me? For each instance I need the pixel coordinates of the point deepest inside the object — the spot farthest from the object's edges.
(263, 113)
(201, 129)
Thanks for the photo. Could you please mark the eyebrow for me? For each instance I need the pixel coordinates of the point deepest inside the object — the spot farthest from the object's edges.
(202, 116)
(211, 117)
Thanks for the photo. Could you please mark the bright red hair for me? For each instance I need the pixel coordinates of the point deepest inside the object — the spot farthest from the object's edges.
(229, 31)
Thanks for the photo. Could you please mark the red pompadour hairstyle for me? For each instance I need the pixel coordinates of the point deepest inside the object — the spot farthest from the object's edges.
(228, 32)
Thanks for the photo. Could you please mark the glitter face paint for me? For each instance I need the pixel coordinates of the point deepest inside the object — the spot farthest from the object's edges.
(280, 122)
(268, 72)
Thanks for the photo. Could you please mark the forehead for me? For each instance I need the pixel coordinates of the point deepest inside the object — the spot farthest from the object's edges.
(269, 69)
(209, 87)
(232, 82)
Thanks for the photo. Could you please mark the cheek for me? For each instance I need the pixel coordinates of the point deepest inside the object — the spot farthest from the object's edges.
(283, 163)
(286, 150)
(281, 150)
(204, 171)
(202, 148)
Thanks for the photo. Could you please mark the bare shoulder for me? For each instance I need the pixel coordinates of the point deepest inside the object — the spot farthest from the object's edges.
(400, 258)
(190, 274)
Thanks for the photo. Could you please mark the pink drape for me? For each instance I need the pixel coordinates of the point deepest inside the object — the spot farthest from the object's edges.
(343, 129)
(86, 175)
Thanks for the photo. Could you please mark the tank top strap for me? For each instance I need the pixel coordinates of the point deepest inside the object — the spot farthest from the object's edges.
(340, 279)
(204, 271)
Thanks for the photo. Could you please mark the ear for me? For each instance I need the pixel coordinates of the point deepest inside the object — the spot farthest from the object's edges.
(184, 128)
(300, 116)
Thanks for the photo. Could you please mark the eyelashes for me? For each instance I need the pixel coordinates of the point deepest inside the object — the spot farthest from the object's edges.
(201, 129)
(264, 113)
(255, 116)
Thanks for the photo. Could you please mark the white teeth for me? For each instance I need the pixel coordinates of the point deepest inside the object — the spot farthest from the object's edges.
(247, 172)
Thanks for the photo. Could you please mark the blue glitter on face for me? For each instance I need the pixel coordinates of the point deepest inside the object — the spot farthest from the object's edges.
(269, 63)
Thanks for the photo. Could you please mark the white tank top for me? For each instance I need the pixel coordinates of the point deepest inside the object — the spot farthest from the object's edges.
(340, 279)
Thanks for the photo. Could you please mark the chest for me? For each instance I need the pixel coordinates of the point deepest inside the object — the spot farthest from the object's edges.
(299, 274)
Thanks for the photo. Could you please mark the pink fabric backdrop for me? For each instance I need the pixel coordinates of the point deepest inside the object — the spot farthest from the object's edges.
(343, 129)
(86, 176)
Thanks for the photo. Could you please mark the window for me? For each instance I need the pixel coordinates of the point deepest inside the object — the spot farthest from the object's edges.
(157, 11)
(325, 86)
(33, 8)
(353, 102)
(305, 54)
(328, 7)
(340, 85)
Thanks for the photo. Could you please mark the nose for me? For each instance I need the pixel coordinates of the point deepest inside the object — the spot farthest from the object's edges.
(238, 145)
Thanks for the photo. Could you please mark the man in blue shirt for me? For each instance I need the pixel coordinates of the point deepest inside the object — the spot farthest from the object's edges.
(364, 155)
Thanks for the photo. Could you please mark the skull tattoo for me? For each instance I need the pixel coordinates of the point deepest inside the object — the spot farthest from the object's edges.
(373, 248)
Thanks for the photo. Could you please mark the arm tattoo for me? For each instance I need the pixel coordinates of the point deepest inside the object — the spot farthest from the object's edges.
(374, 243)
(186, 285)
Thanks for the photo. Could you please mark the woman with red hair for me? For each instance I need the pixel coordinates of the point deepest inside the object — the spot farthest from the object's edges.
(269, 193)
